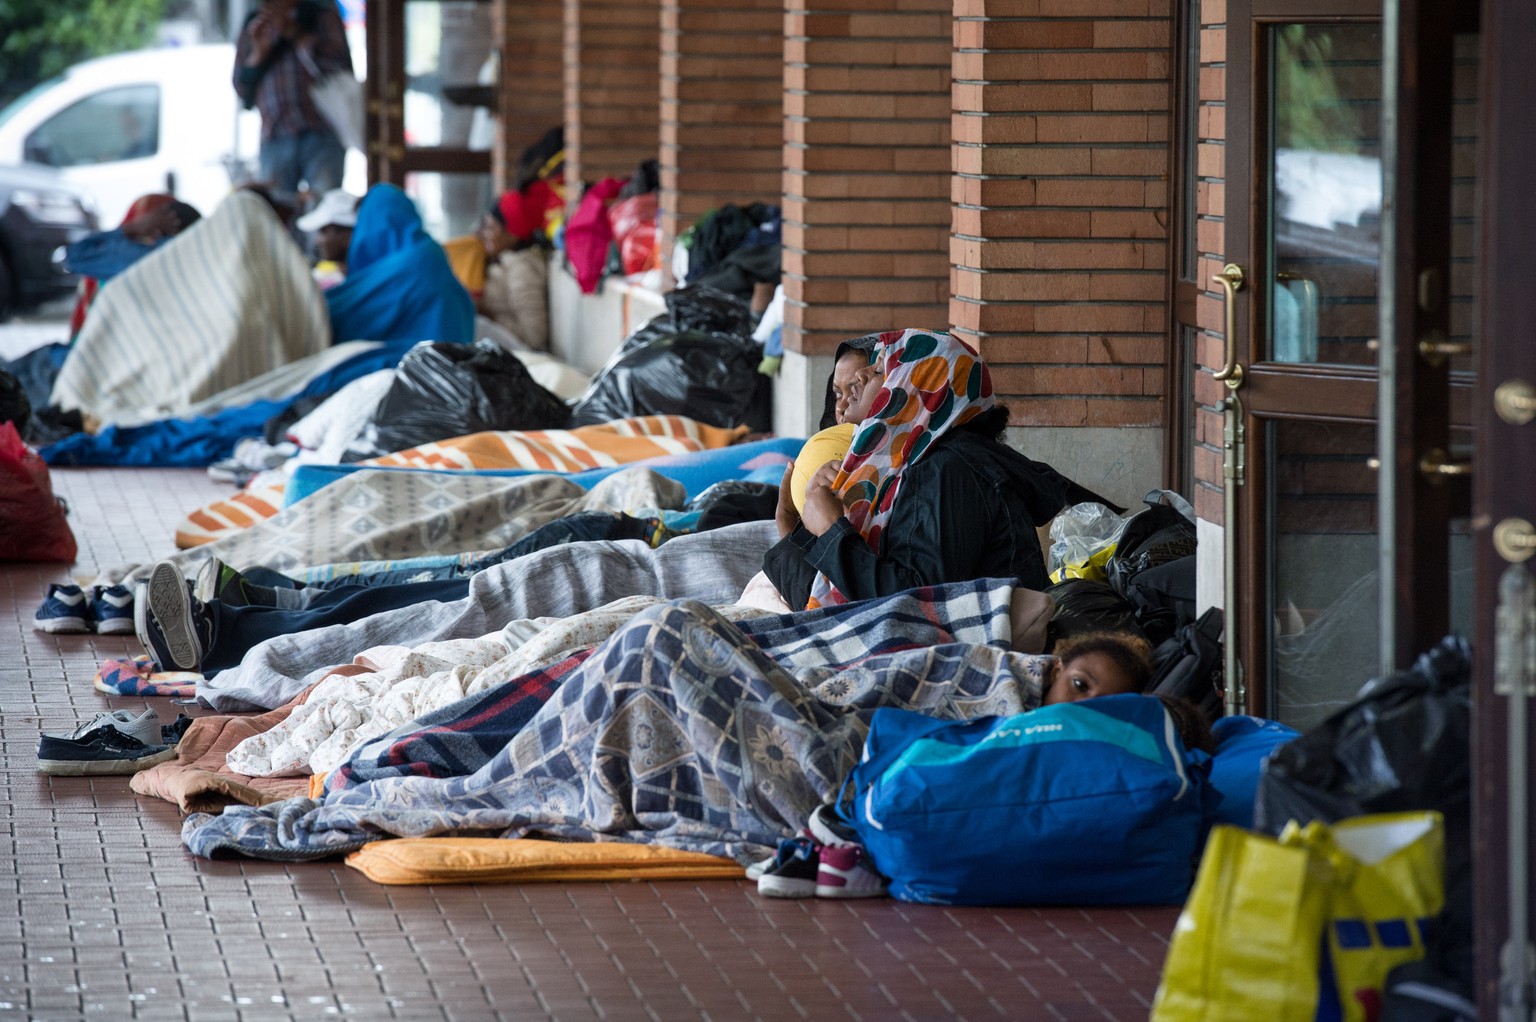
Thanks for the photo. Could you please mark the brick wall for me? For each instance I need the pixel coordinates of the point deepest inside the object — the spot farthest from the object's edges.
(866, 180)
(532, 100)
(722, 107)
(1059, 248)
(611, 87)
(1210, 202)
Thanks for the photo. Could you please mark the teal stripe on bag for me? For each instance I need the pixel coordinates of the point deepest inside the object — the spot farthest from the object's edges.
(1031, 729)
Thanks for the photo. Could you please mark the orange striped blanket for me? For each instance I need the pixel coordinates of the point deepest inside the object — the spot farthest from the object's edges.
(556, 450)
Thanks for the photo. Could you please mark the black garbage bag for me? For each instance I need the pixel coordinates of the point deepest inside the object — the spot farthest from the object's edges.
(1085, 605)
(1404, 744)
(1154, 536)
(444, 390)
(15, 407)
(697, 360)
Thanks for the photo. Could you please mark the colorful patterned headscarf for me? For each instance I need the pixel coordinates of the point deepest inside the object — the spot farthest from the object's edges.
(931, 384)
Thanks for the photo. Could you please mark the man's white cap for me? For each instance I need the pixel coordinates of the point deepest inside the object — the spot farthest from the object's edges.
(337, 207)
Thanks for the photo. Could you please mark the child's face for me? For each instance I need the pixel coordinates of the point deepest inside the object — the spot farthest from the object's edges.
(843, 373)
(861, 394)
(1085, 676)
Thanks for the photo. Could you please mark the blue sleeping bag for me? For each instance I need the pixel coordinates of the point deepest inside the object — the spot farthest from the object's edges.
(1088, 803)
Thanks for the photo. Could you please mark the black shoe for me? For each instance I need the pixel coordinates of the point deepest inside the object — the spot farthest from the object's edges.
(170, 623)
(105, 750)
(794, 870)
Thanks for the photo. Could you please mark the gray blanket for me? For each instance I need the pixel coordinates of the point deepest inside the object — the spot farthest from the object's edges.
(712, 567)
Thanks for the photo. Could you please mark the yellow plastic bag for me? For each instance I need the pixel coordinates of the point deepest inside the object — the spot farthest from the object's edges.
(1389, 882)
(1247, 944)
(1304, 927)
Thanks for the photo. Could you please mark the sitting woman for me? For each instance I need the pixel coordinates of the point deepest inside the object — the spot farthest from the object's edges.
(399, 285)
(516, 291)
(927, 492)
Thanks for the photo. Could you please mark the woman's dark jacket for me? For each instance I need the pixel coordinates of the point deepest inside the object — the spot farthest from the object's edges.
(967, 509)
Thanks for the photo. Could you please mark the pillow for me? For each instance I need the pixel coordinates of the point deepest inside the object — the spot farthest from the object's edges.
(831, 444)
(476, 860)
(1242, 746)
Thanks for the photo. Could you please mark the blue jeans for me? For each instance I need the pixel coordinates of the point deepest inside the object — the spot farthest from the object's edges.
(315, 157)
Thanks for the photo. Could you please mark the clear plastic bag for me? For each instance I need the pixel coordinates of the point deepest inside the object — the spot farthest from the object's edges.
(1083, 539)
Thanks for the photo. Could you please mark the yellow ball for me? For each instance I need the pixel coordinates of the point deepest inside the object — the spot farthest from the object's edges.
(831, 444)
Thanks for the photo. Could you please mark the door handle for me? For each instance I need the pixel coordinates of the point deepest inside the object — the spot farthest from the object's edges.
(1437, 465)
(1515, 401)
(1231, 280)
(1514, 539)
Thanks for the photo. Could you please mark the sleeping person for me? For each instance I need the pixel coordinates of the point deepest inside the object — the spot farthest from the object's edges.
(399, 285)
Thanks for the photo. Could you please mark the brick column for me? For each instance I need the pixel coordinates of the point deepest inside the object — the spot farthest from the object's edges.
(1060, 206)
(531, 97)
(611, 87)
(866, 182)
(722, 107)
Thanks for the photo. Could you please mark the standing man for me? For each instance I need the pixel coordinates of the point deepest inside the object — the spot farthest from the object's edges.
(284, 47)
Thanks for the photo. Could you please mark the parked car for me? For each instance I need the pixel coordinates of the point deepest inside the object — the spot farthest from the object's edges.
(117, 127)
(40, 213)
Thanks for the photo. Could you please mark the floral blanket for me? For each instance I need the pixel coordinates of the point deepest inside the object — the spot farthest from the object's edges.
(681, 730)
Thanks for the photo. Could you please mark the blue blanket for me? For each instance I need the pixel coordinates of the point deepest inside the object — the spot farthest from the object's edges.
(193, 443)
(696, 471)
(399, 285)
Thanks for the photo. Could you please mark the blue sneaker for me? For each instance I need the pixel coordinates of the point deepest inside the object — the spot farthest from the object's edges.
(101, 750)
(64, 612)
(112, 610)
(794, 870)
(169, 622)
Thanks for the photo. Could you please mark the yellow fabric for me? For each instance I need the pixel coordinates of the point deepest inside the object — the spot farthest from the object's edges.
(466, 257)
(831, 444)
(1095, 568)
(1248, 945)
(472, 860)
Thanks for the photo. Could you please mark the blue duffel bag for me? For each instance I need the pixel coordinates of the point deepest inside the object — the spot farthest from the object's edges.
(1088, 803)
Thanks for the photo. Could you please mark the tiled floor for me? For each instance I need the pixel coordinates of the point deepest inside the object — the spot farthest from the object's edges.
(105, 916)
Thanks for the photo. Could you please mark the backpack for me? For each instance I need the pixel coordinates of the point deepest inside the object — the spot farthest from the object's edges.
(1189, 665)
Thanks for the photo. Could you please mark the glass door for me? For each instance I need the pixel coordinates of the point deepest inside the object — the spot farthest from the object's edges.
(1351, 477)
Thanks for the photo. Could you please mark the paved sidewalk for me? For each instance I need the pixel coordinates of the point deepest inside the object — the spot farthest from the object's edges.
(106, 916)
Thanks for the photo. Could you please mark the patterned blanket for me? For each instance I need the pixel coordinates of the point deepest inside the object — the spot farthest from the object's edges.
(222, 303)
(680, 730)
(380, 515)
(555, 450)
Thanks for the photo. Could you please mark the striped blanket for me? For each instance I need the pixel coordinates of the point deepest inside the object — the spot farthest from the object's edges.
(552, 450)
(681, 731)
(225, 301)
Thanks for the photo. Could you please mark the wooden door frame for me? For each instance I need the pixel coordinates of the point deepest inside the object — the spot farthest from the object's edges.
(1506, 454)
(389, 158)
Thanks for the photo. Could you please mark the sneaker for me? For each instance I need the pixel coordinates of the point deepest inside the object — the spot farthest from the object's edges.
(828, 830)
(171, 733)
(794, 869)
(218, 581)
(64, 611)
(106, 750)
(843, 871)
(112, 610)
(169, 622)
(145, 727)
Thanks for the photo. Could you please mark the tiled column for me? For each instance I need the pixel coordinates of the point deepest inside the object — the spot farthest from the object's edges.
(532, 93)
(611, 87)
(866, 182)
(1059, 248)
(722, 107)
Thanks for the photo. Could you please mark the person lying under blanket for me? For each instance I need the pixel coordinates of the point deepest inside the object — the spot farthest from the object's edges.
(682, 729)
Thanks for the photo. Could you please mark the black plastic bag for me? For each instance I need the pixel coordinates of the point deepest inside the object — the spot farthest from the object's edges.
(1152, 537)
(697, 360)
(444, 390)
(1189, 664)
(1084, 605)
(14, 404)
(1404, 744)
